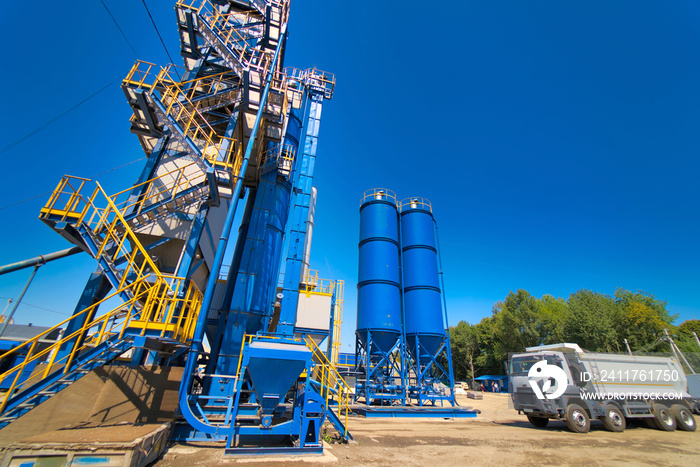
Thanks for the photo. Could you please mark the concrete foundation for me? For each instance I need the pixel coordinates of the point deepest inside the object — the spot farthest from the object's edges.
(122, 445)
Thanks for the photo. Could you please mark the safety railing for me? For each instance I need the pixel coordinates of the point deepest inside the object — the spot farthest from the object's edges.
(114, 239)
(337, 321)
(219, 151)
(278, 99)
(379, 194)
(415, 203)
(163, 188)
(281, 156)
(235, 30)
(314, 78)
(332, 383)
(199, 5)
(169, 304)
(142, 75)
(312, 284)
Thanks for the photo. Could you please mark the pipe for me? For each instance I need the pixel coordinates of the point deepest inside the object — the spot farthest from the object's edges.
(8, 318)
(188, 374)
(41, 259)
(306, 262)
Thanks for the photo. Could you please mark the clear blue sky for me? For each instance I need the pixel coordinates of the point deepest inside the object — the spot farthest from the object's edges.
(558, 141)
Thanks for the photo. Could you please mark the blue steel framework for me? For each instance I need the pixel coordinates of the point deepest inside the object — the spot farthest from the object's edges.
(418, 362)
(235, 124)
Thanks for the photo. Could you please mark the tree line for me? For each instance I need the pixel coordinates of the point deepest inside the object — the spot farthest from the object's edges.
(595, 321)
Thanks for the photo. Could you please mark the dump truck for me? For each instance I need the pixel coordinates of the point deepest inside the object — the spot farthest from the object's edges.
(565, 382)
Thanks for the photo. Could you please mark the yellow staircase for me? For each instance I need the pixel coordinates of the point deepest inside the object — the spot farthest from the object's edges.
(334, 389)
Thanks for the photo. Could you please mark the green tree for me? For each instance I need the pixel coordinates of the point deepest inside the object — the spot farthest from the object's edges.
(518, 322)
(554, 313)
(642, 318)
(488, 362)
(591, 321)
(688, 327)
(465, 348)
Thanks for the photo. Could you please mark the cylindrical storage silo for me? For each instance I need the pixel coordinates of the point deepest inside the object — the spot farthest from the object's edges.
(378, 285)
(423, 317)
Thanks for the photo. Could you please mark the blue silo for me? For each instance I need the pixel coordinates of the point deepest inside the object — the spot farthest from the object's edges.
(423, 314)
(378, 285)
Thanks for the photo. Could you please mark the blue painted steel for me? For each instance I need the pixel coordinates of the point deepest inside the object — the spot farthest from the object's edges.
(416, 412)
(378, 286)
(273, 369)
(423, 321)
(95, 290)
(302, 178)
(253, 284)
(197, 347)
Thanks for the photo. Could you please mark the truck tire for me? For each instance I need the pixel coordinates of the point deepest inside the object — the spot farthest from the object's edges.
(539, 422)
(614, 419)
(663, 418)
(684, 417)
(577, 419)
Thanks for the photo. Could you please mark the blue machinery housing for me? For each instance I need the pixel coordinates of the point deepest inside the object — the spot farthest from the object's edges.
(402, 344)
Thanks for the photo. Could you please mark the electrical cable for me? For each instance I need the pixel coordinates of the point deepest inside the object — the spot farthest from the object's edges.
(161, 38)
(41, 127)
(39, 307)
(120, 29)
(92, 176)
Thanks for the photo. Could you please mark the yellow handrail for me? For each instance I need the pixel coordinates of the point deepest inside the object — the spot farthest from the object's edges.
(220, 151)
(331, 381)
(337, 321)
(161, 306)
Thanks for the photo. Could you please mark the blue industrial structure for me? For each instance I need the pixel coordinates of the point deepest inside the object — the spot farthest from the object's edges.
(234, 124)
(402, 345)
(379, 343)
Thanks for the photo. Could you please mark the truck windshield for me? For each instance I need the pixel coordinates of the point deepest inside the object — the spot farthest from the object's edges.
(521, 365)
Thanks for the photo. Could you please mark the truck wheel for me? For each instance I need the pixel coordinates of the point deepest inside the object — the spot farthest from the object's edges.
(539, 422)
(684, 418)
(614, 419)
(663, 418)
(577, 419)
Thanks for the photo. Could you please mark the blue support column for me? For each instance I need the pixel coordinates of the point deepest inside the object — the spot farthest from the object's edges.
(302, 182)
(96, 289)
(185, 267)
(148, 172)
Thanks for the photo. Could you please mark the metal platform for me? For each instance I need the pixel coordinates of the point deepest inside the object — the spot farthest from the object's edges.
(415, 412)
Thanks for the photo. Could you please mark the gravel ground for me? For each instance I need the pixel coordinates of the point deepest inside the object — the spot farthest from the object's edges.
(498, 436)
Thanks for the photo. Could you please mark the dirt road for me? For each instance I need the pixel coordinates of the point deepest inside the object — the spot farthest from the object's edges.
(499, 436)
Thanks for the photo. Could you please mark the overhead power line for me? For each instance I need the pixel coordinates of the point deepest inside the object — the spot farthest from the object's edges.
(91, 176)
(39, 307)
(41, 127)
(120, 29)
(160, 37)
